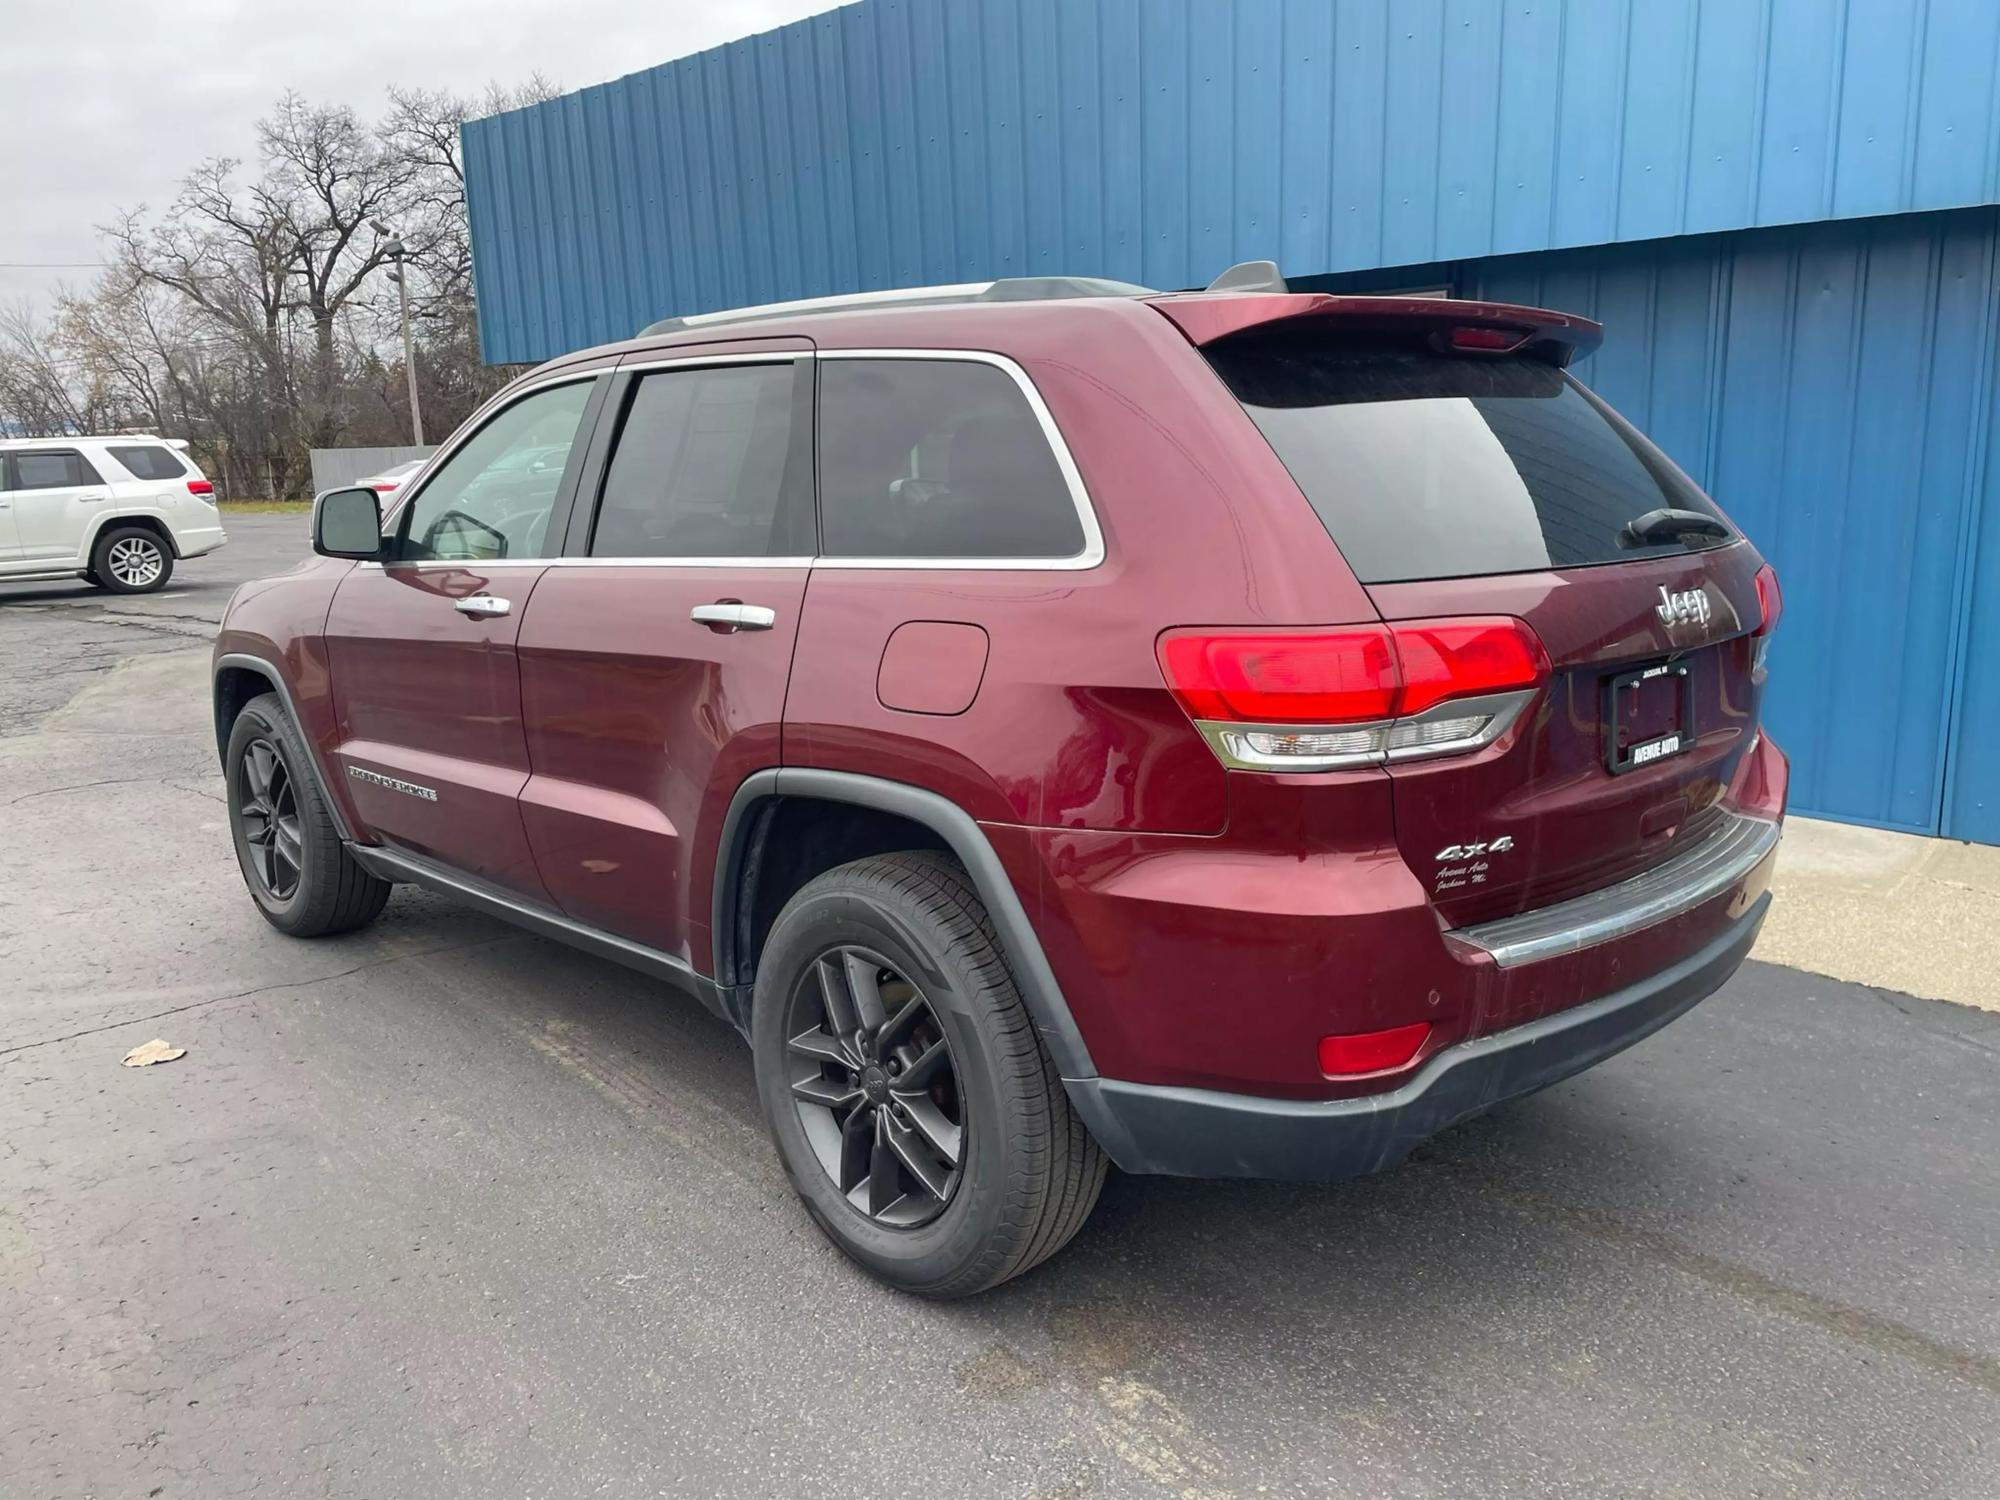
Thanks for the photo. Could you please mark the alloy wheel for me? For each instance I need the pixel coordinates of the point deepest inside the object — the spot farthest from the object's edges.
(876, 1087)
(134, 561)
(268, 820)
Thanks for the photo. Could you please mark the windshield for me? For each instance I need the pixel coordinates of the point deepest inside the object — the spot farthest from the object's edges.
(1429, 465)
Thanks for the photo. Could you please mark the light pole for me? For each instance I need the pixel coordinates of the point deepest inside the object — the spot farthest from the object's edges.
(399, 275)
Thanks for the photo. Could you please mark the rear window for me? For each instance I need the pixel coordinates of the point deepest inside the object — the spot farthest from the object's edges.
(1424, 465)
(147, 462)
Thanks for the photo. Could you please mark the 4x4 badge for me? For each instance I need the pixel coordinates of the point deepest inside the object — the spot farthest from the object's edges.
(1472, 851)
(1689, 605)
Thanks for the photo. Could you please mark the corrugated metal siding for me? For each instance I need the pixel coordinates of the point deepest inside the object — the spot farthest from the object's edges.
(897, 142)
(1833, 385)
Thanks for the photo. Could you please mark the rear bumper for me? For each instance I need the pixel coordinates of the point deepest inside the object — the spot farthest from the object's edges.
(196, 541)
(1187, 1132)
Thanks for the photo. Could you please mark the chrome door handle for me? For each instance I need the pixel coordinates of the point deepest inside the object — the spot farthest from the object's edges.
(95, 499)
(482, 606)
(734, 616)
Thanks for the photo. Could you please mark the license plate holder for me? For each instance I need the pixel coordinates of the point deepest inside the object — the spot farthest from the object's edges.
(1648, 715)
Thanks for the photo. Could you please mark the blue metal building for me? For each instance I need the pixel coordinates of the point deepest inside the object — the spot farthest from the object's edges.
(1783, 211)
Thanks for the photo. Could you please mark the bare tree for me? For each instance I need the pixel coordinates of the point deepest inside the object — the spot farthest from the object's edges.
(330, 178)
(424, 126)
(41, 393)
(248, 316)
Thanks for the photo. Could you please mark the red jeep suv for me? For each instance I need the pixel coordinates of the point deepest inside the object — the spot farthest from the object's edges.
(1234, 733)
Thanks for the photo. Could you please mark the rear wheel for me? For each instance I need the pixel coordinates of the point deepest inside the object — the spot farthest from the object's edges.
(915, 1112)
(131, 560)
(299, 872)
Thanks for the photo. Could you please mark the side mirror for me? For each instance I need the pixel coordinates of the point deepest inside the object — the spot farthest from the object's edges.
(348, 523)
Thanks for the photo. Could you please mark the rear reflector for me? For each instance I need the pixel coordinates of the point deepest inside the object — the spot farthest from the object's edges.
(1371, 1051)
(1319, 700)
(200, 487)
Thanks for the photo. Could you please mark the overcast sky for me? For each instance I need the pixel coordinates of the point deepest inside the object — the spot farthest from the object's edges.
(106, 104)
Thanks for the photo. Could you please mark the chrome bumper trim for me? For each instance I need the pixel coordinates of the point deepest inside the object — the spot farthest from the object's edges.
(1728, 852)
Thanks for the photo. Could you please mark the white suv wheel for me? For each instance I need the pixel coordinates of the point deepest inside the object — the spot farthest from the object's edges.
(131, 560)
(136, 562)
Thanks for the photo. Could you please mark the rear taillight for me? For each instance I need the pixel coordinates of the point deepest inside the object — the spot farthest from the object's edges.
(200, 487)
(1288, 700)
(1770, 608)
(1770, 600)
(383, 486)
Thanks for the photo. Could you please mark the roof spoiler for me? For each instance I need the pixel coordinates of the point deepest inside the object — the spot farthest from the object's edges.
(1472, 328)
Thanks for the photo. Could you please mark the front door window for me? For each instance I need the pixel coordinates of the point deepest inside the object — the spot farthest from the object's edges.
(492, 498)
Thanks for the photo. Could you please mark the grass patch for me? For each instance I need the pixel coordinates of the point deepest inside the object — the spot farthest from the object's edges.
(264, 507)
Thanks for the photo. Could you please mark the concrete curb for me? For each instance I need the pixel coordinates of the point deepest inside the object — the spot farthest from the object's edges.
(1892, 910)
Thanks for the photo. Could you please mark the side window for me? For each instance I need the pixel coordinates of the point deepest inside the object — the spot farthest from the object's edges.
(491, 499)
(148, 462)
(937, 458)
(62, 470)
(708, 464)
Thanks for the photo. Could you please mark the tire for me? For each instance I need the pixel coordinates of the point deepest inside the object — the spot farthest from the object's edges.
(1027, 1172)
(131, 560)
(299, 872)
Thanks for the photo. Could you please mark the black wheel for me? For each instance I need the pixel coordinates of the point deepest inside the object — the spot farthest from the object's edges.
(915, 1112)
(131, 560)
(299, 873)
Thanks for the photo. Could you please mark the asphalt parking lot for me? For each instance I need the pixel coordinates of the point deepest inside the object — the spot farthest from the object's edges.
(441, 1209)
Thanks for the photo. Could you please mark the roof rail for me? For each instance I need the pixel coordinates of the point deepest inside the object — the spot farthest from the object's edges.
(1009, 289)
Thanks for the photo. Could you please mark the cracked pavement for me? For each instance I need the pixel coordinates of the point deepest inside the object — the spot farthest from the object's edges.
(440, 1209)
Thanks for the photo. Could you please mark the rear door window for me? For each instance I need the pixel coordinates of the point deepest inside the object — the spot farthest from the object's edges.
(710, 462)
(146, 461)
(1430, 465)
(61, 469)
(937, 458)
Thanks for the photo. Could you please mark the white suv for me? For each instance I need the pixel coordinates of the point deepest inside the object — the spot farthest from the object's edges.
(118, 511)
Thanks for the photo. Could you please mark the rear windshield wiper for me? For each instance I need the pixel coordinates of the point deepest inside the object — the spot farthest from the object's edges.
(1669, 525)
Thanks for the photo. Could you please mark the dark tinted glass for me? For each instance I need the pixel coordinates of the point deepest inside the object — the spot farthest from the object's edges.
(936, 458)
(52, 471)
(706, 466)
(1423, 465)
(150, 462)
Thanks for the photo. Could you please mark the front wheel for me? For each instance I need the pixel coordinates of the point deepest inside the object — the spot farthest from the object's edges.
(131, 560)
(299, 873)
(915, 1111)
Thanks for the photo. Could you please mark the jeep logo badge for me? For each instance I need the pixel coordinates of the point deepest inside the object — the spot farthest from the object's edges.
(1689, 606)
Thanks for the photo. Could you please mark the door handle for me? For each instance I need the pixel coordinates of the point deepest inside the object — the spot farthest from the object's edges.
(728, 617)
(483, 606)
(93, 499)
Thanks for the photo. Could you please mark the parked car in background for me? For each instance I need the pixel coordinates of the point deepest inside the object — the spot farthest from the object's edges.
(391, 479)
(1229, 734)
(116, 511)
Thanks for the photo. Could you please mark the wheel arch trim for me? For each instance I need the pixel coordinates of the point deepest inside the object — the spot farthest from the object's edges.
(950, 822)
(271, 674)
(151, 519)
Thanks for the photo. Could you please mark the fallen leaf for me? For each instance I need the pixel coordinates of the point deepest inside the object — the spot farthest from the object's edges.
(154, 1051)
